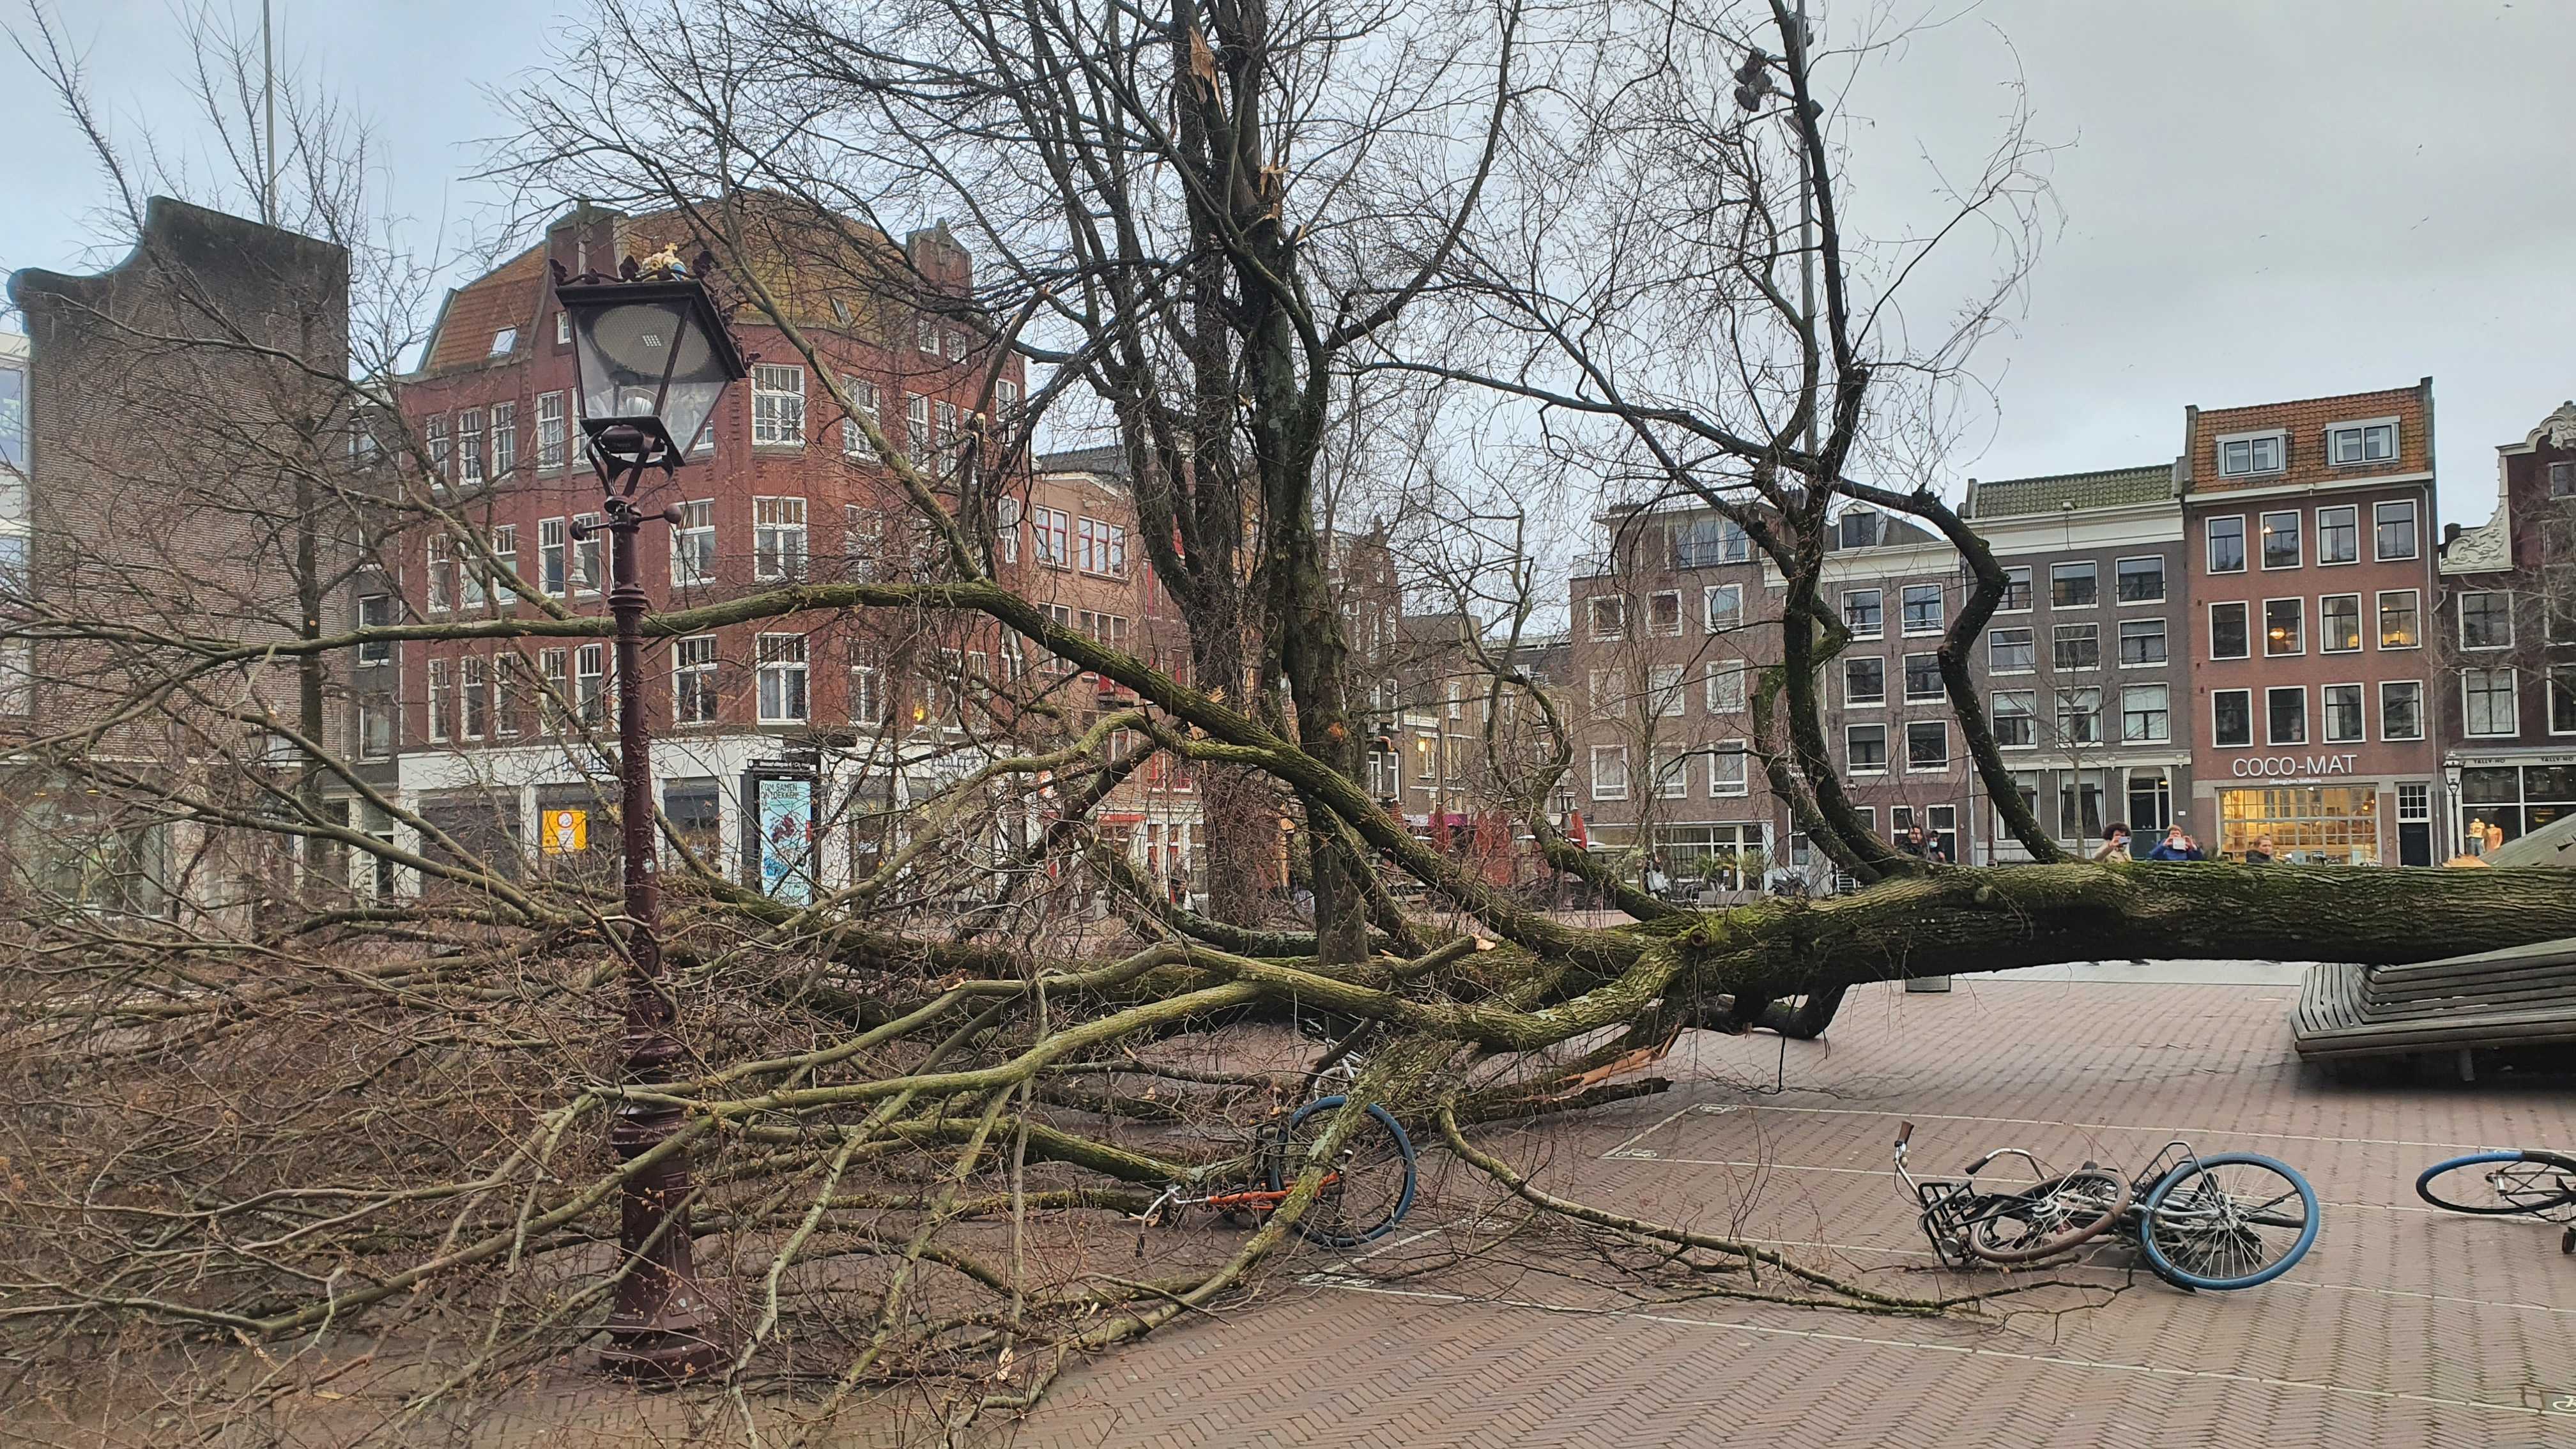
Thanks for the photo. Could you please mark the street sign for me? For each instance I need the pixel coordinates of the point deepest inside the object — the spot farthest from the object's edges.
(567, 832)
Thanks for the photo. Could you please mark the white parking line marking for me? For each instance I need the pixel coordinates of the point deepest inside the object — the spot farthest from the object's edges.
(1721, 1108)
(1967, 1350)
(2381, 1207)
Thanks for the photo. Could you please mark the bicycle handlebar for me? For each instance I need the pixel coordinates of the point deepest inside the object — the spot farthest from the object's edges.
(1904, 1133)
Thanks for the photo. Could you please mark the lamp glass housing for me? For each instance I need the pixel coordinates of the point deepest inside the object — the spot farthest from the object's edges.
(653, 356)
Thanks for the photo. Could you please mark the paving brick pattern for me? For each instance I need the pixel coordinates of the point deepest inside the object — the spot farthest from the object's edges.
(2403, 1327)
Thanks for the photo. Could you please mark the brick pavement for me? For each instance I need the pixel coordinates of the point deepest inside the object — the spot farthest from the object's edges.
(2403, 1326)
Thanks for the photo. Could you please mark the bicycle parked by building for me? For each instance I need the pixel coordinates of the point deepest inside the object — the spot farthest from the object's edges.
(2227, 1220)
(2506, 1182)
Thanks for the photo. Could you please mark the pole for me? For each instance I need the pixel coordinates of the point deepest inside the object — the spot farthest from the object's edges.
(659, 1327)
(268, 86)
(1806, 208)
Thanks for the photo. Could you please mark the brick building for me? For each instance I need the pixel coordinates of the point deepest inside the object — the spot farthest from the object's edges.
(2308, 528)
(1666, 622)
(2085, 661)
(785, 749)
(2507, 638)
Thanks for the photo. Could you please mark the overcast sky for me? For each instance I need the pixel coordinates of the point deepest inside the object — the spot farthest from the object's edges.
(2261, 199)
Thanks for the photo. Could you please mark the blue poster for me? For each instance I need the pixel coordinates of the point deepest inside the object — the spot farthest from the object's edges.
(784, 815)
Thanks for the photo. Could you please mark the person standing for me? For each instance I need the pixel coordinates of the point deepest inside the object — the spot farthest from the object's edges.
(2176, 846)
(2260, 852)
(2115, 843)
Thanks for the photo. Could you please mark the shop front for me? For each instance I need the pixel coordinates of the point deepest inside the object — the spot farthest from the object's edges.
(2514, 794)
(2317, 809)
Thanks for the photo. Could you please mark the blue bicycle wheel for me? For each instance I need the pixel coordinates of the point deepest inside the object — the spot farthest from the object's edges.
(1372, 1179)
(2500, 1184)
(2230, 1220)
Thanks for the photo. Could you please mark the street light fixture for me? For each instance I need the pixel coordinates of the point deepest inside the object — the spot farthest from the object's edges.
(654, 359)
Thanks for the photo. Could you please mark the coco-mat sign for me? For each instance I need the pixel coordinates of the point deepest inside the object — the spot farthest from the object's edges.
(2279, 767)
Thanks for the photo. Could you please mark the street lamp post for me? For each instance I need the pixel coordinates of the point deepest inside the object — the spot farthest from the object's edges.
(654, 359)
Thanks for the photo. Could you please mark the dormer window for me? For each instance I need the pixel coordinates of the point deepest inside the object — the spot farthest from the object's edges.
(504, 340)
(563, 329)
(2351, 443)
(1860, 529)
(2249, 454)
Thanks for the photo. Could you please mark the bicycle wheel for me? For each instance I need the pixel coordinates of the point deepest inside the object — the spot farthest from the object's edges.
(2231, 1220)
(1371, 1188)
(2500, 1184)
(2046, 1220)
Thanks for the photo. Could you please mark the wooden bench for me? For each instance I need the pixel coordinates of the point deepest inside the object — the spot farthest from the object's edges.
(2522, 996)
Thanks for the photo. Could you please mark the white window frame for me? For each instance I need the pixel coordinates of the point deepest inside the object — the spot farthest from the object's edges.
(1709, 614)
(505, 439)
(2360, 433)
(2301, 602)
(2462, 614)
(2513, 707)
(778, 537)
(2246, 743)
(2165, 713)
(2058, 633)
(777, 405)
(863, 403)
(1666, 690)
(438, 595)
(377, 722)
(471, 460)
(2074, 694)
(1940, 690)
(918, 440)
(1911, 726)
(2263, 532)
(2075, 568)
(554, 558)
(1617, 611)
(2029, 641)
(379, 604)
(694, 680)
(867, 694)
(2558, 681)
(473, 697)
(2244, 607)
(2414, 530)
(2021, 575)
(2325, 644)
(2164, 585)
(553, 428)
(2025, 709)
(1940, 599)
(2301, 691)
(1725, 757)
(2279, 438)
(2319, 524)
(1726, 687)
(1006, 529)
(441, 700)
(2209, 544)
(589, 554)
(1619, 755)
(1850, 732)
(1877, 701)
(784, 658)
(693, 544)
(1670, 767)
(2379, 617)
(590, 683)
(2163, 637)
(1846, 599)
(2386, 686)
(2326, 718)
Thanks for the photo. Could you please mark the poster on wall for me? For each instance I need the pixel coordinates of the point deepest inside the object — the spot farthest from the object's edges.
(784, 811)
